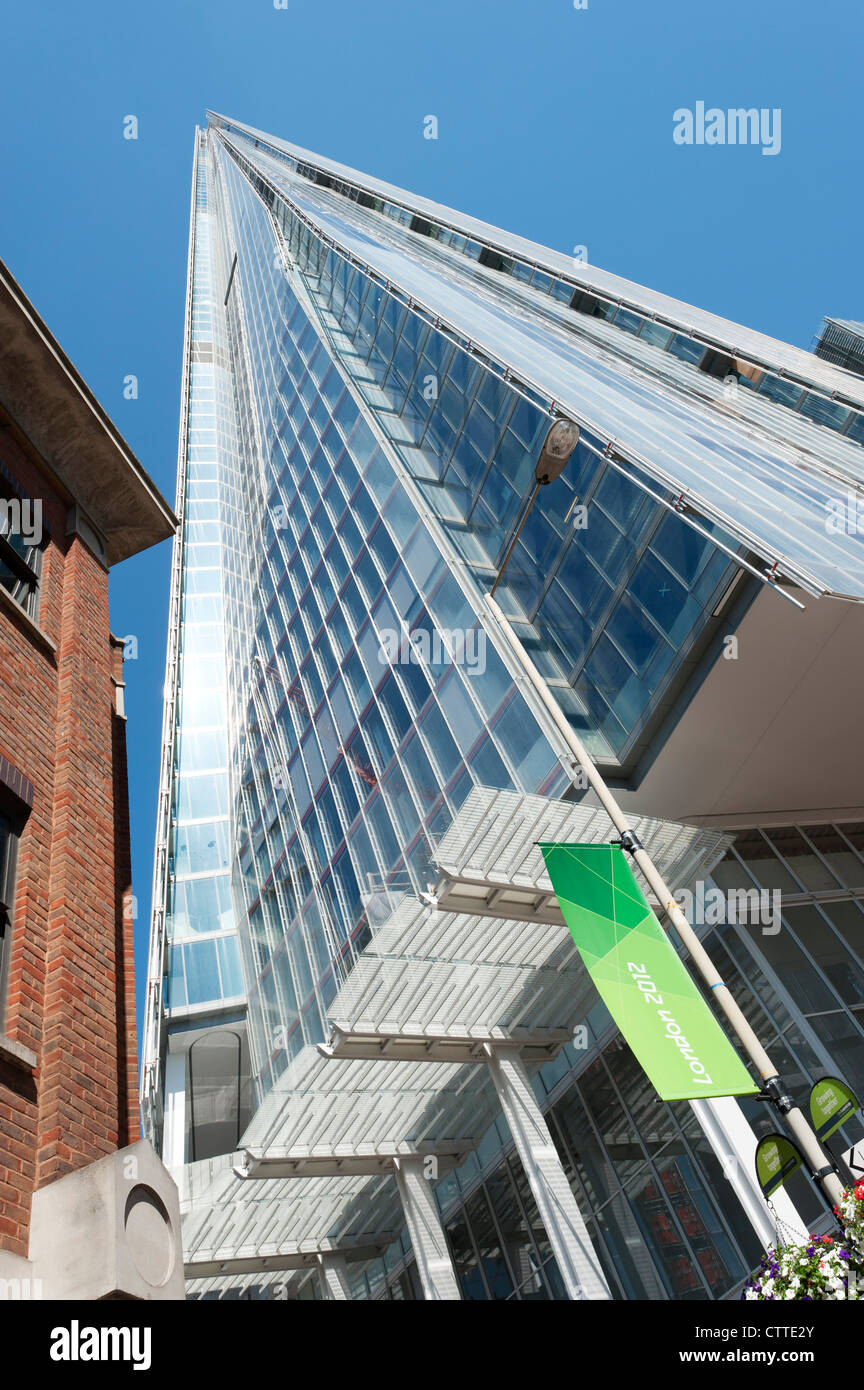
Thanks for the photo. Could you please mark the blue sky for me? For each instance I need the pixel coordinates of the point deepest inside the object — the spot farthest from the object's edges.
(553, 122)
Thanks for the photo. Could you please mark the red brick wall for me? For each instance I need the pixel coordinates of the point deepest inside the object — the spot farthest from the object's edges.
(127, 1029)
(71, 987)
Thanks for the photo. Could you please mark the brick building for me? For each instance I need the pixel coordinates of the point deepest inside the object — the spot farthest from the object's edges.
(73, 502)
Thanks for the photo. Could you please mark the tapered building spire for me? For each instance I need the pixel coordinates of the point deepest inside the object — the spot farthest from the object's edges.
(370, 380)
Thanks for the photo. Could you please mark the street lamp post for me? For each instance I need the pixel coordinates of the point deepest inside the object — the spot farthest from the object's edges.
(558, 445)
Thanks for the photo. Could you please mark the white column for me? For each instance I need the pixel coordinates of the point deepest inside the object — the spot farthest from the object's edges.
(577, 1259)
(734, 1143)
(333, 1276)
(174, 1125)
(434, 1265)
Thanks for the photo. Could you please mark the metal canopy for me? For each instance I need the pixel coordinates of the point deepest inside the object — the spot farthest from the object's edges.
(291, 1256)
(225, 1217)
(426, 995)
(324, 1162)
(366, 1107)
(490, 857)
(358, 1042)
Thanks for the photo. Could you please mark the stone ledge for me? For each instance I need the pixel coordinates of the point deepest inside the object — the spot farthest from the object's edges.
(16, 1055)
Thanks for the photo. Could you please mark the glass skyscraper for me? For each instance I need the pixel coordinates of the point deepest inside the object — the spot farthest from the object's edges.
(369, 379)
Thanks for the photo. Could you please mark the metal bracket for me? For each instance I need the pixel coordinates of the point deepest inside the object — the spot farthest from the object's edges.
(629, 841)
(775, 1095)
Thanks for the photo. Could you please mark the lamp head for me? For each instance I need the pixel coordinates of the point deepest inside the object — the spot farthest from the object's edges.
(561, 440)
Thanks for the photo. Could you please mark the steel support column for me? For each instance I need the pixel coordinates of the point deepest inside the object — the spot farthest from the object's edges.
(734, 1143)
(562, 1220)
(434, 1265)
(333, 1277)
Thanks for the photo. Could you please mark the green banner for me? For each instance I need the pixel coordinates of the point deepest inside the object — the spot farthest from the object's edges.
(640, 978)
(777, 1158)
(831, 1103)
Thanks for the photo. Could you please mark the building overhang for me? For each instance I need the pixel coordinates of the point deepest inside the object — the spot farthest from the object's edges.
(771, 737)
(45, 401)
(342, 1162)
(453, 894)
(292, 1256)
(365, 1044)
(489, 862)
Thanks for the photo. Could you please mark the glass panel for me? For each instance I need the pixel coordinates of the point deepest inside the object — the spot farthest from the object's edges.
(807, 989)
(710, 1246)
(465, 1261)
(834, 960)
(202, 972)
(806, 866)
(762, 862)
(663, 1237)
(845, 1043)
(841, 859)
(497, 1275)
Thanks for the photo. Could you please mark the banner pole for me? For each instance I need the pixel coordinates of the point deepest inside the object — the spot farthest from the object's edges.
(821, 1167)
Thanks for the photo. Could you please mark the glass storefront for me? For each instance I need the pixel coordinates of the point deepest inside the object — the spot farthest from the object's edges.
(666, 1222)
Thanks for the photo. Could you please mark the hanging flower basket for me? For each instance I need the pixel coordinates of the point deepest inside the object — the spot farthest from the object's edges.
(851, 1213)
(809, 1272)
(820, 1267)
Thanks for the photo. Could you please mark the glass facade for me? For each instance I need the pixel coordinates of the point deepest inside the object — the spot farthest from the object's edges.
(204, 961)
(839, 340)
(353, 465)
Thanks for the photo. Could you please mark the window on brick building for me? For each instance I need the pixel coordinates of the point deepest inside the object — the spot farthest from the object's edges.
(8, 848)
(21, 538)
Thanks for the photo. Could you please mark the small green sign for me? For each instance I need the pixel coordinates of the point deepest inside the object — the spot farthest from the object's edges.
(831, 1103)
(776, 1159)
